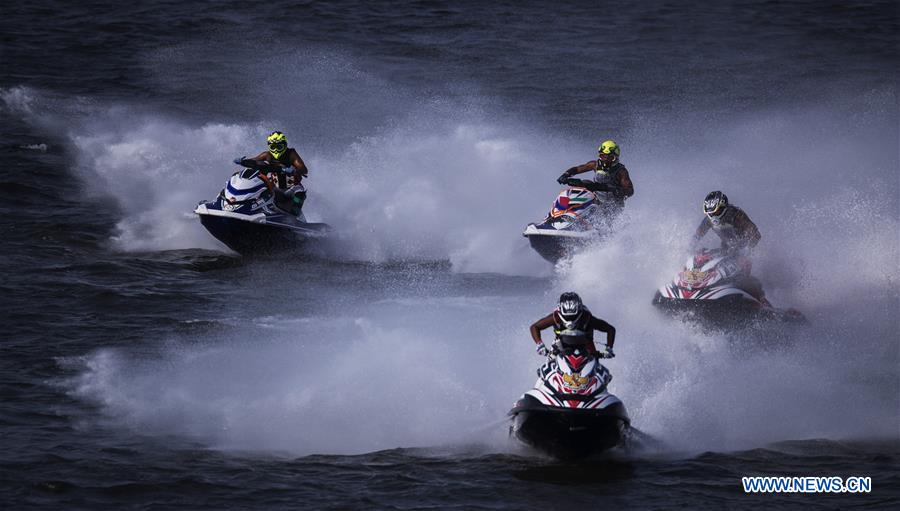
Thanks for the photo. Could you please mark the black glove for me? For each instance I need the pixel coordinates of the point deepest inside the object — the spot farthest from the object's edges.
(563, 178)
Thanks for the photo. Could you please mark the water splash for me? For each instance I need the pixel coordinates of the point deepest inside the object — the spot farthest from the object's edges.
(450, 181)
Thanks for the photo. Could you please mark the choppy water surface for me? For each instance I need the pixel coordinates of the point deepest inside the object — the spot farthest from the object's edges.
(146, 366)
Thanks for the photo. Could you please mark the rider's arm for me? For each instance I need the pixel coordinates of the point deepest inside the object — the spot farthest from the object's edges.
(541, 324)
(572, 171)
(702, 229)
(594, 186)
(298, 164)
(263, 156)
(748, 231)
(603, 326)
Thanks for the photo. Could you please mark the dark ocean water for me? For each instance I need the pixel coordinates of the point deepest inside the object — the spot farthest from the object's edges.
(144, 367)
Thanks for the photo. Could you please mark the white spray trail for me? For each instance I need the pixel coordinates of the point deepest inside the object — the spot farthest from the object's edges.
(447, 185)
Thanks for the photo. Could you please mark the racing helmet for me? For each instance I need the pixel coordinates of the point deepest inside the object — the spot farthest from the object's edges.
(714, 204)
(607, 154)
(570, 307)
(277, 144)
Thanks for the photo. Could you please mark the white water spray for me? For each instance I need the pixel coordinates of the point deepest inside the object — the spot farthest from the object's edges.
(443, 184)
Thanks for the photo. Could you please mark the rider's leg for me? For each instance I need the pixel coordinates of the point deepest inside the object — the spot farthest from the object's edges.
(753, 286)
(297, 195)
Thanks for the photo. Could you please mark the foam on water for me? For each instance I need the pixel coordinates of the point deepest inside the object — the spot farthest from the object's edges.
(396, 374)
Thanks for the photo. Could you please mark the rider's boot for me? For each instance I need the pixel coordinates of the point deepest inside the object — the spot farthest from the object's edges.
(297, 195)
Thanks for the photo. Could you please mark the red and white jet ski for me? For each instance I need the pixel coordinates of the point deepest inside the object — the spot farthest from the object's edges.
(570, 414)
(714, 286)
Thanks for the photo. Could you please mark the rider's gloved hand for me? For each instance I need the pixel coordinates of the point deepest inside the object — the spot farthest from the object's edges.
(542, 350)
(239, 160)
(563, 178)
(608, 353)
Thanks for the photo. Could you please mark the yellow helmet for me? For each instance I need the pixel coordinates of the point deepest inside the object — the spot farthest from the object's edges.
(607, 154)
(277, 144)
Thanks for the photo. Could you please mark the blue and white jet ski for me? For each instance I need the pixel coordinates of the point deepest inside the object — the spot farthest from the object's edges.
(253, 215)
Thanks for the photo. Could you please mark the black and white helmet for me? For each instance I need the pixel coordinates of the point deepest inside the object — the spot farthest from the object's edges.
(714, 204)
(570, 307)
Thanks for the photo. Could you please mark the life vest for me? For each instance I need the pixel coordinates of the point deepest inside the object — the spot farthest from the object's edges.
(581, 327)
(285, 180)
(724, 226)
(609, 177)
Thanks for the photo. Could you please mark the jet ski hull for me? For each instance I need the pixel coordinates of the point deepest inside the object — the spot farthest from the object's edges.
(553, 244)
(726, 311)
(568, 433)
(258, 234)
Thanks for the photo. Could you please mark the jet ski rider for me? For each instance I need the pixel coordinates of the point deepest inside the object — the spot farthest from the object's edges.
(611, 184)
(738, 234)
(279, 152)
(573, 318)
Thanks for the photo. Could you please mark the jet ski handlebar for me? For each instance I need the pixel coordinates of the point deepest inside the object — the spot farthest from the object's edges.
(263, 166)
(590, 185)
